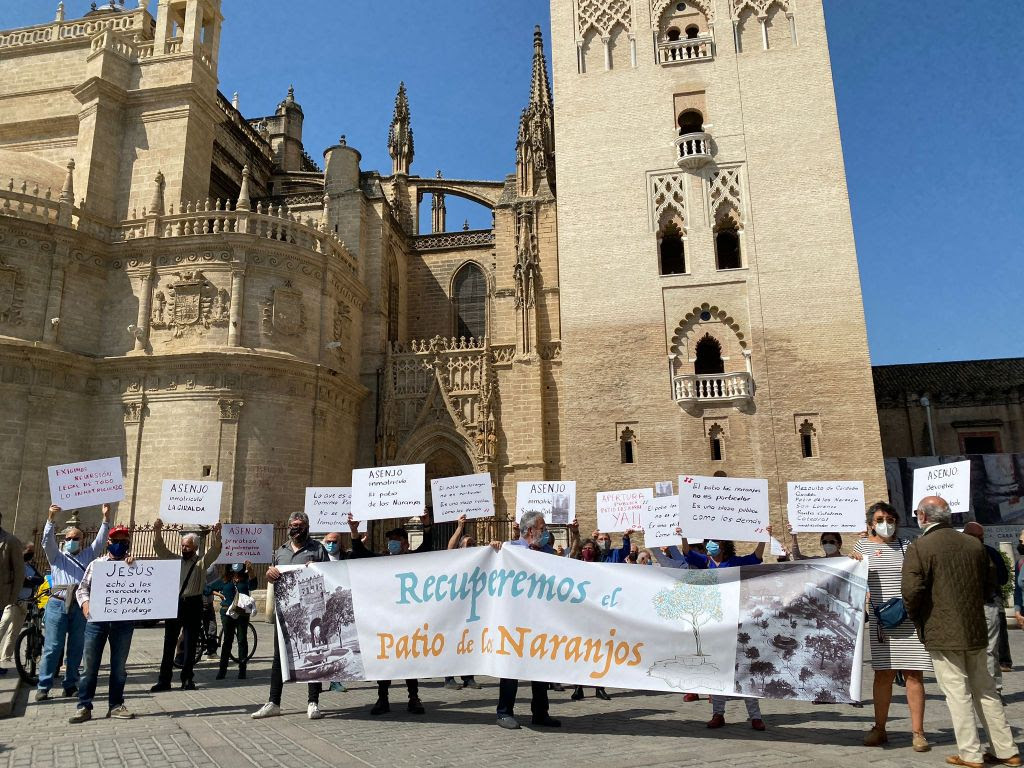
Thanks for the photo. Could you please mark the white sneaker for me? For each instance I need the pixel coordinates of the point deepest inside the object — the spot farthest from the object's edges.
(270, 709)
(313, 711)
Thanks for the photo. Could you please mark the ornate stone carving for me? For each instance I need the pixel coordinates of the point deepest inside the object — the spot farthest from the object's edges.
(724, 190)
(667, 193)
(759, 7)
(11, 294)
(551, 350)
(191, 302)
(602, 16)
(527, 267)
(503, 354)
(284, 312)
(707, 7)
(230, 409)
(134, 410)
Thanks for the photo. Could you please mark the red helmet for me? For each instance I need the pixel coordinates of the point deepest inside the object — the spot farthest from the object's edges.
(119, 530)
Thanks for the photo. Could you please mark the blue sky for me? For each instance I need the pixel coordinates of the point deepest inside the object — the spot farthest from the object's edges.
(929, 103)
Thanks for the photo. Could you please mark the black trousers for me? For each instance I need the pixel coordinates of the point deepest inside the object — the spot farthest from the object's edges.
(277, 680)
(1004, 642)
(239, 626)
(413, 686)
(507, 690)
(190, 618)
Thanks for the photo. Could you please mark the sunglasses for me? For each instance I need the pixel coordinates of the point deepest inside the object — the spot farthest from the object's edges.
(72, 538)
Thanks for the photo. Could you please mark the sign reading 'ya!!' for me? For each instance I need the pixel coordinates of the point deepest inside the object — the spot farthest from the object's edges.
(619, 511)
(380, 493)
(526, 615)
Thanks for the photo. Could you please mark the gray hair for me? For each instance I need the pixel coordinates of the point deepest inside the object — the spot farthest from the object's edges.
(529, 520)
(936, 511)
(299, 515)
(190, 538)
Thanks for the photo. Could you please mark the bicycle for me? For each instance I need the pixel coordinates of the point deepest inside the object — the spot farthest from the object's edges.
(29, 647)
(210, 641)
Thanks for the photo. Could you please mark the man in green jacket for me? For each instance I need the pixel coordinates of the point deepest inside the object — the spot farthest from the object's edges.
(947, 577)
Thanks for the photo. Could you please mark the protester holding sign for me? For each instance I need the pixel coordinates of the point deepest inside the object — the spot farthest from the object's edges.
(831, 546)
(589, 552)
(300, 549)
(398, 544)
(190, 604)
(98, 633)
(461, 540)
(894, 644)
(236, 579)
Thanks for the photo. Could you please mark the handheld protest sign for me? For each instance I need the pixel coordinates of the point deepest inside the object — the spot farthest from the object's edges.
(836, 507)
(190, 502)
(733, 508)
(86, 483)
(469, 495)
(380, 493)
(556, 499)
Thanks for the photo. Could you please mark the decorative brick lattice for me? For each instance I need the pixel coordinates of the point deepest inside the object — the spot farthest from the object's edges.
(658, 7)
(759, 7)
(602, 16)
(668, 193)
(724, 190)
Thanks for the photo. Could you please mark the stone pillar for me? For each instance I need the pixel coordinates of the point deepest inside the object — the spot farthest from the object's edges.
(134, 412)
(55, 294)
(607, 52)
(237, 297)
(145, 309)
(227, 449)
(438, 212)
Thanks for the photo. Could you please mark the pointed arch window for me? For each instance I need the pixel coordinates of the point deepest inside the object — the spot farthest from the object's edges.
(709, 357)
(671, 250)
(469, 297)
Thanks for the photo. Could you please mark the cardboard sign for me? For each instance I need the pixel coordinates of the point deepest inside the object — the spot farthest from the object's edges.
(241, 542)
(950, 481)
(195, 502)
(836, 507)
(86, 483)
(555, 498)
(468, 495)
(659, 520)
(328, 509)
(733, 508)
(147, 589)
(380, 493)
(619, 511)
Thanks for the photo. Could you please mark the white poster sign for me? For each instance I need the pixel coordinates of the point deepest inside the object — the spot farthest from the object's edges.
(86, 483)
(468, 495)
(620, 511)
(195, 502)
(837, 507)
(146, 589)
(950, 481)
(734, 508)
(241, 542)
(659, 520)
(328, 510)
(380, 493)
(777, 548)
(555, 498)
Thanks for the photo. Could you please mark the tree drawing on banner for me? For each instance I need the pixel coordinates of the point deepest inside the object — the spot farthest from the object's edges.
(695, 601)
(297, 622)
(761, 669)
(340, 613)
(825, 647)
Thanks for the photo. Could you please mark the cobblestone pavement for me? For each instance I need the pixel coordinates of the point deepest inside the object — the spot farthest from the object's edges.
(211, 727)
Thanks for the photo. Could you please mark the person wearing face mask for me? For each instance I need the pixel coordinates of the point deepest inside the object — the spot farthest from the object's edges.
(237, 578)
(332, 544)
(534, 535)
(63, 622)
(831, 546)
(398, 544)
(896, 649)
(300, 549)
(590, 552)
(190, 604)
(99, 633)
(604, 547)
(14, 614)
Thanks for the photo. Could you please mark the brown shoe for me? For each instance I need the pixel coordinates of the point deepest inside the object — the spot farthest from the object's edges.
(921, 743)
(957, 760)
(876, 737)
(716, 721)
(1013, 760)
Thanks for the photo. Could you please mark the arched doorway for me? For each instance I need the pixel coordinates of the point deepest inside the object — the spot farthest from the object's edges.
(709, 357)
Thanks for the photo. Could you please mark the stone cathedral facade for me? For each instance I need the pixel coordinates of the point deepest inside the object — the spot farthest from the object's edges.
(186, 288)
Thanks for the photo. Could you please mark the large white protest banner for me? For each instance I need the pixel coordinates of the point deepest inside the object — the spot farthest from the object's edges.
(328, 510)
(380, 493)
(660, 520)
(950, 481)
(195, 502)
(620, 511)
(241, 542)
(468, 495)
(85, 483)
(837, 507)
(733, 508)
(146, 589)
(526, 615)
(556, 499)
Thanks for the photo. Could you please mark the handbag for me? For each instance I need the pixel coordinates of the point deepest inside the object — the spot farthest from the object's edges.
(891, 613)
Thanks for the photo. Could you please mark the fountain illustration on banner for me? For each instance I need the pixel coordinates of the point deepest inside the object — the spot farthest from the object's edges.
(695, 601)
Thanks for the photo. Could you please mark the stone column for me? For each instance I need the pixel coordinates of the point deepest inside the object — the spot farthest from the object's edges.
(55, 294)
(227, 449)
(237, 297)
(134, 412)
(145, 309)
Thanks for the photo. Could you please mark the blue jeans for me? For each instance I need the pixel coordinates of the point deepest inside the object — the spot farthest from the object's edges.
(58, 628)
(119, 633)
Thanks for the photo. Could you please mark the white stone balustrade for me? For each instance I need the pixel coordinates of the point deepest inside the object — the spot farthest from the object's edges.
(685, 50)
(23, 202)
(694, 150)
(134, 23)
(718, 388)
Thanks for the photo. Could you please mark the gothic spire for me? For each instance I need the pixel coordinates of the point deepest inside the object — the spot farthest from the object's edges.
(535, 146)
(400, 145)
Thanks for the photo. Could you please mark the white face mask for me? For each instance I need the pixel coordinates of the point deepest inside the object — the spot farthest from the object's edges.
(830, 548)
(885, 530)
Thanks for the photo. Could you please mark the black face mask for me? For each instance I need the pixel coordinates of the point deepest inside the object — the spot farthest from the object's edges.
(29, 557)
(1020, 548)
(297, 533)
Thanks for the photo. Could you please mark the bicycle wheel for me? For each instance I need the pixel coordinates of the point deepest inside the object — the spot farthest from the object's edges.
(27, 652)
(252, 645)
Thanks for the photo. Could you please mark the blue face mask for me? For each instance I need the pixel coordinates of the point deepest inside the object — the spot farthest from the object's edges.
(72, 547)
(545, 539)
(331, 547)
(394, 547)
(712, 548)
(118, 549)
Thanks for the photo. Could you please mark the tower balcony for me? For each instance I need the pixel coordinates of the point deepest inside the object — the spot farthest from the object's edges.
(694, 150)
(713, 389)
(685, 50)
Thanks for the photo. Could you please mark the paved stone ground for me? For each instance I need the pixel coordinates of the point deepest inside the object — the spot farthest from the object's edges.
(211, 727)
